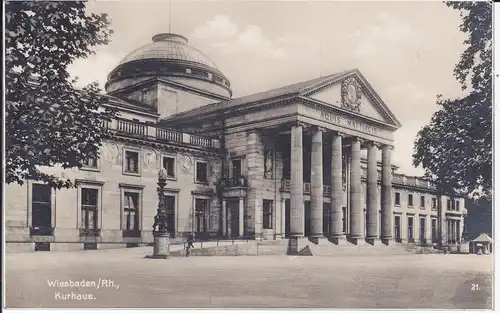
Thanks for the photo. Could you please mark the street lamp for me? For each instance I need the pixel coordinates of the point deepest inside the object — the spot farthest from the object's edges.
(160, 233)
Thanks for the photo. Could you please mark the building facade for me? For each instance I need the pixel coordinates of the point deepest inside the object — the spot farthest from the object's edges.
(309, 160)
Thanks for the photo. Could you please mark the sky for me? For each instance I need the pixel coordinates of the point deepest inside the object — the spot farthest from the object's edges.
(406, 50)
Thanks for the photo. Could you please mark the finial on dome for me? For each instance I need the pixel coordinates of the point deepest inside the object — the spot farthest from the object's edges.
(169, 37)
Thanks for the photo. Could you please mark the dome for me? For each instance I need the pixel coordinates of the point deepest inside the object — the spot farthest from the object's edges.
(170, 56)
(170, 47)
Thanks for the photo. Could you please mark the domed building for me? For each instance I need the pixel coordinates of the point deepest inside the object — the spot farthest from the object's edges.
(284, 164)
(168, 72)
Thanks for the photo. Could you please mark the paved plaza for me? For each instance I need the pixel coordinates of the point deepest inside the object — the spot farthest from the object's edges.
(124, 278)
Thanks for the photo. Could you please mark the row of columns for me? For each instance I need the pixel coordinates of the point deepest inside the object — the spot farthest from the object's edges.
(355, 196)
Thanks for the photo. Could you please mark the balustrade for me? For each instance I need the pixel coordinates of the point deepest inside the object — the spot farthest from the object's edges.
(131, 127)
(169, 135)
(200, 141)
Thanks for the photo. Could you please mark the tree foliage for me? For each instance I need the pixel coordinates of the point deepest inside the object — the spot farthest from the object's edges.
(48, 121)
(455, 149)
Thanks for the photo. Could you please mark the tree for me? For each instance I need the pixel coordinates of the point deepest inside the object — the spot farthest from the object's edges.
(455, 149)
(48, 121)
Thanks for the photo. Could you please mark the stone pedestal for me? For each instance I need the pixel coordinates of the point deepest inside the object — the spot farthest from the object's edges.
(161, 246)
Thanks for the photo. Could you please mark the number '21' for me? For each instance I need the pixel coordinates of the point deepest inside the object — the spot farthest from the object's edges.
(474, 287)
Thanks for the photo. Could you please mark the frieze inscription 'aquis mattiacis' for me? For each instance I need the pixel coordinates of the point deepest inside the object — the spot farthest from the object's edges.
(335, 119)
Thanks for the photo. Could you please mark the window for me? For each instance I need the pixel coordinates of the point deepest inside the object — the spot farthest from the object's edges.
(169, 165)
(422, 230)
(236, 167)
(448, 204)
(132, 162)
(41, 206)
(201, 215)
(397, 198)
(397, 228)
(434, 230)
(170, 204)
(410, 200)
(457, 205)
(131, 210)
(434, 203)
(201, 172)
(410, 228)
(90, 163)
(89, 208)
(422, 202)
(267, 211)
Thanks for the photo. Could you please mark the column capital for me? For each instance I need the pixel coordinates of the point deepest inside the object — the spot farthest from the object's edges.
(340, 134)
(299, 124)
(386, 146)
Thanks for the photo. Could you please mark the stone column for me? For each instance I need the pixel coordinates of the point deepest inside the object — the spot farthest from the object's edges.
(317, 186)
(386, 194)
(459, 231)
(356, 233)
(337, 193)
(224, 218)
(371, 204)
(283, 217)
(297, 183)
(241, 218)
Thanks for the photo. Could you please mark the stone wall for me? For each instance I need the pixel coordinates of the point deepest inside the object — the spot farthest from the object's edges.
(110, 179)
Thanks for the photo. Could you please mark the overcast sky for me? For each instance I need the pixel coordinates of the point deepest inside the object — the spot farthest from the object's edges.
(406, 50)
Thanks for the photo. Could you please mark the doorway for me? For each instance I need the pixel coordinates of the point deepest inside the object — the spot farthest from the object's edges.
(233, 209)
(307, 218)
(170, 204)
(287, 218)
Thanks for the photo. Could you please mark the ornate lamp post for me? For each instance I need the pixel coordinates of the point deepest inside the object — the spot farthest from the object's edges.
(160, 233)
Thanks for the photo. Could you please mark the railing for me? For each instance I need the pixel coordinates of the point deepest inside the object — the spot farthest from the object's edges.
(307, 187)
(131, 127)
(169, 135)
(327, 190)
(201, 141)
(41, 231)
(235, 181)
(90, 232)
(149, 130)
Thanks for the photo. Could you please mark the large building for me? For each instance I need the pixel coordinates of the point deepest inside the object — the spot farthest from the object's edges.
(285, 163)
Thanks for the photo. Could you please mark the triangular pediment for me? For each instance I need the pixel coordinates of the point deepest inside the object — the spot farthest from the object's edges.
(353, 94)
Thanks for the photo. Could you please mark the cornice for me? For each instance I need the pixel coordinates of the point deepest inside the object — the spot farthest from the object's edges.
(168, 146)
(350, 114)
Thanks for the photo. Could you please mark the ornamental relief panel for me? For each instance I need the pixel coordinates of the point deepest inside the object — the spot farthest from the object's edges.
(111, 152)
(150, 158)
(268, 164)
(351, 94)
(186, 163)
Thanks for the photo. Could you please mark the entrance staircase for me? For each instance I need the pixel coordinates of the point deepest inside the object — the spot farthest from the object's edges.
(305, 247)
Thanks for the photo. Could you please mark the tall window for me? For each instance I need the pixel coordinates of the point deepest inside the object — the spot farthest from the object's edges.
(201, 172)
(434, 230)
(410, 200)
(397, 198)
(41, 206)
(131, 210)
(410, 229)
(397, 228)
(422, 230)
(457, 205)
(170, 204)
(267, 211)
(131, 162)
(448, 205)
(434, 203)
(90, 162)
(169, 165)
(422, 202)
(236, 167)
(201, 215)
(89, 209)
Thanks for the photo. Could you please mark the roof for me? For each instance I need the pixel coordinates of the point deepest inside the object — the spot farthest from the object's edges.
(483, 238)
(170, 47)
(290, 90)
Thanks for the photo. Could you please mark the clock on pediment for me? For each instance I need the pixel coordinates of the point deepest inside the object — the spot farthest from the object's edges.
(351, 94)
